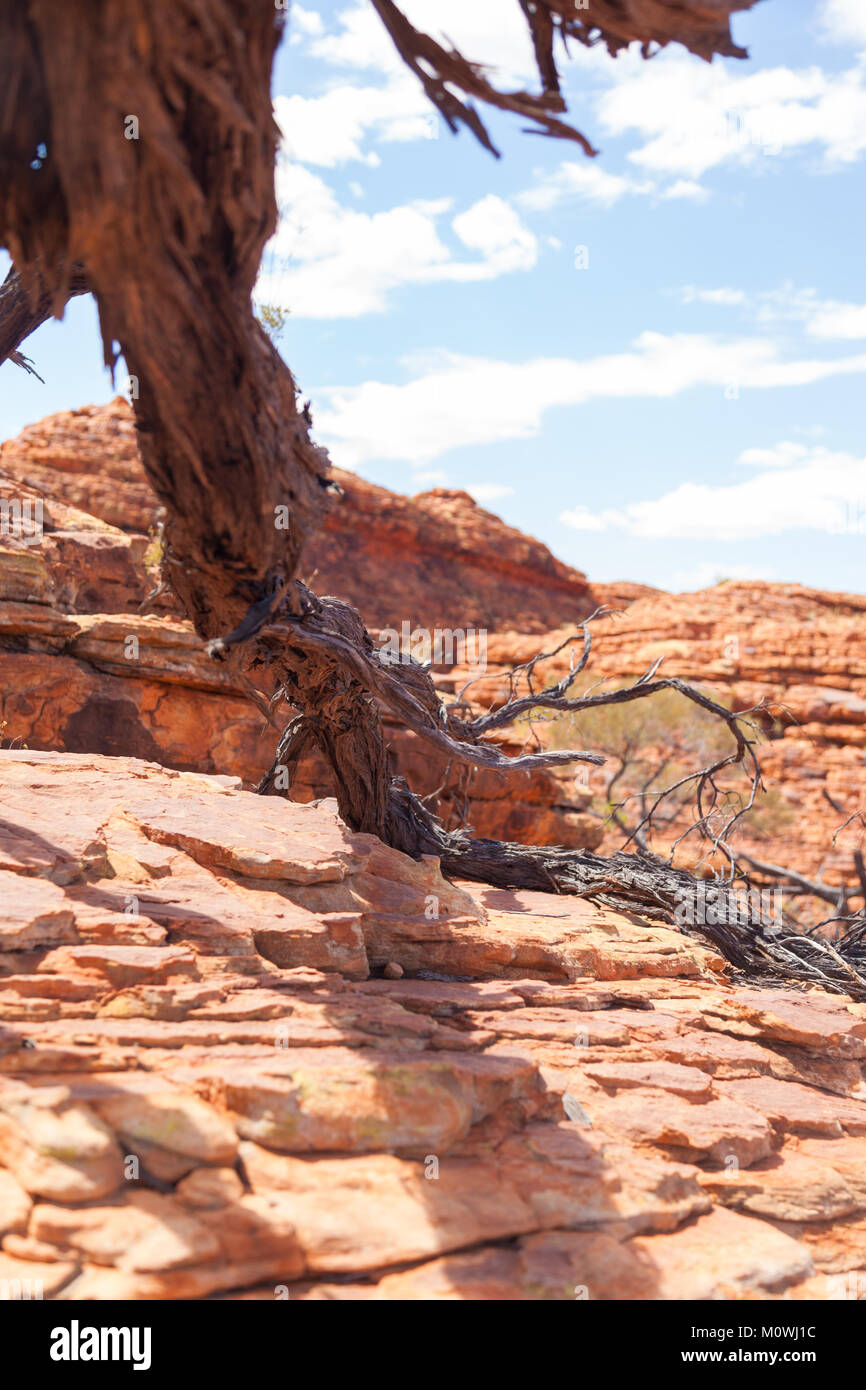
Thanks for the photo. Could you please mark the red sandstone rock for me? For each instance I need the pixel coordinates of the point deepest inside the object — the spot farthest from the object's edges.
(459, 565)
(180, 1117)
(55, 1148)
(88, 458)
(716, 1257)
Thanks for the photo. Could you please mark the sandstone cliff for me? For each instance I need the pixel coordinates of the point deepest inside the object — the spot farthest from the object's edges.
(86, 672)
(459, 565)
(801, 650)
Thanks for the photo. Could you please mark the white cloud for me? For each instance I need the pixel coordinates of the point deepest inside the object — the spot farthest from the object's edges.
(686, 188)
(484, 31)
(358, 40)
(387, 103)
(494, 229)
(839, 321)
(797, 489)
(333, 128)
(821, 318)
(689, 116)
(844, 21)
(304, 23)
(787, 304)
(692, 295)
(332, 261)
(692, 117)
(782, 455)
(582, 519)
(458, 400)
(712, 572)
(594, 184)
(576, 180)
(488, 492)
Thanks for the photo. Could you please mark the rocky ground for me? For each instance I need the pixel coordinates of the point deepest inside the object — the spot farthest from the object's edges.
(246, 1053)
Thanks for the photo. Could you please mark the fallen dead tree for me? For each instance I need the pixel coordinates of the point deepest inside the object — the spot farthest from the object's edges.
(156, 191)
(727, 910)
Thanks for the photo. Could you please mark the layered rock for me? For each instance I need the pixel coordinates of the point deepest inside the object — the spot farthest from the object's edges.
(87, 458)
(459, 566)
(124, 683)
(802, 651)
(247, 1053)
(52, 554)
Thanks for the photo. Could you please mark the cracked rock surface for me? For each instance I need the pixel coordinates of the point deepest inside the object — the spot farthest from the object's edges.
(209, 1088)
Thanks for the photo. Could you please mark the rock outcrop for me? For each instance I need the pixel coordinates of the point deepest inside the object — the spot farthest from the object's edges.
(123, 683)
(87, 458)
(245, 1053)
(801, 650)
(86, 672)
(459, 566)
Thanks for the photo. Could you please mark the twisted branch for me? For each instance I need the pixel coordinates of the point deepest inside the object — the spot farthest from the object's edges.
(702, 27)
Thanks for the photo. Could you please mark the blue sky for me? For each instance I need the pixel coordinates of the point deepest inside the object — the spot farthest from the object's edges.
(654, 360)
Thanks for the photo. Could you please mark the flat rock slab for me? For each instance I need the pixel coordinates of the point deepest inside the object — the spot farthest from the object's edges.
(715, 1256)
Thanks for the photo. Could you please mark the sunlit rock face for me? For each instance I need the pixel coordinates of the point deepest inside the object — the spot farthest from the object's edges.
(209, 1087)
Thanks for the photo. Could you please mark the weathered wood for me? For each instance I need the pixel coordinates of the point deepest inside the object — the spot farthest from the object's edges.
(22, 312)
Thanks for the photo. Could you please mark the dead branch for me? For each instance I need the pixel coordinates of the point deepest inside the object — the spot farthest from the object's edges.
(440, 70)
(556, 699)
(702, 28)
(24, 307)
(835, 896)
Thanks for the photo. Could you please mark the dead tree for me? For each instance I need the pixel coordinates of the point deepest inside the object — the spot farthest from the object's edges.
(137, 148)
